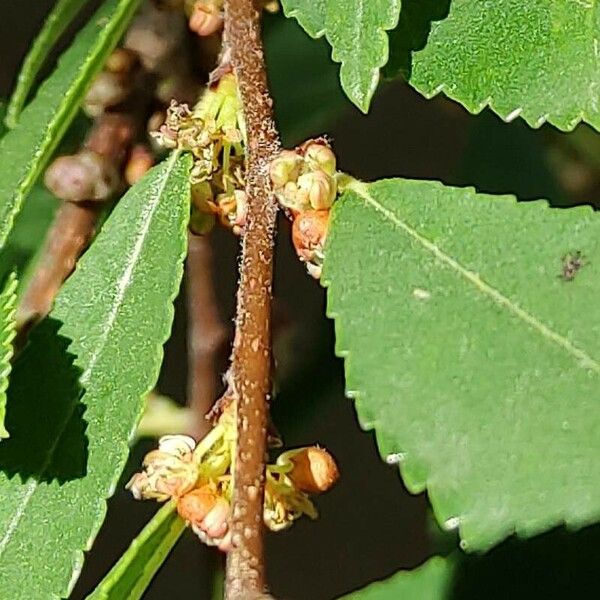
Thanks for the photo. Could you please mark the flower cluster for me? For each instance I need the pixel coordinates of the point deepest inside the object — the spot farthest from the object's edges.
(205, 17)
(305, 183)
(198, 478)
(214, 133)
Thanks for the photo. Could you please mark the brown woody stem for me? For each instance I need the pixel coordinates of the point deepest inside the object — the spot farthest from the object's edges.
(250, 375)
(74, 223)
(207, 335)
(68, 237)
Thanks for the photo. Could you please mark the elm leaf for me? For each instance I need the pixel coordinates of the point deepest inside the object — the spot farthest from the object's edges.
(77, 390)
(470, 330)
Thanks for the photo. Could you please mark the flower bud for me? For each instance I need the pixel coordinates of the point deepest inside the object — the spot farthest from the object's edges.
(205, 19)
(309, 233)
(208, 514)
(107, 90)
(142, 487)
(241, 210)
(270, 6)
(69, 178)
(314, 469)
(139, 163)
(285, 168)
(196, 504)
(168, 471)
(215, 522)
(320, 187)
(82, 176)
(320, 156)
(121, 61)
(181, 446)
(293, 198)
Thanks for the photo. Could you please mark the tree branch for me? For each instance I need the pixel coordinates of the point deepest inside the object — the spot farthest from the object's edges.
(75, 222)
(207, 335)
(251, 357)
(69, 236)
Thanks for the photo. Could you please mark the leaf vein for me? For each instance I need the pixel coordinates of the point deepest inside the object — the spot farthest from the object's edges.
(584, 359)
(123, 283)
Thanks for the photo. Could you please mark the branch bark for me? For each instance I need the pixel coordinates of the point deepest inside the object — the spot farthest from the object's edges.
(74, 224)
(69, 236)
(250, 375)
(207, 335)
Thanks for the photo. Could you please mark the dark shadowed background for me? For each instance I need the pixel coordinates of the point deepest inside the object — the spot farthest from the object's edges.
(369, 525)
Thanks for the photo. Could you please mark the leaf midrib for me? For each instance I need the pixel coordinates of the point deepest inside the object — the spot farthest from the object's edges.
(584, 360)
(112, 316)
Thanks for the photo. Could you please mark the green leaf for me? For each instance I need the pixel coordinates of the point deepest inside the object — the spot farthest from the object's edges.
(54, 26)
(2, 113)
(568, 561)
(134, 571)
(356, 31)
(303, 81)
(8, 331)
(431, 581)
(538, 59)
(471, 355)
(68, 446)
(28, 233)
(26, 149)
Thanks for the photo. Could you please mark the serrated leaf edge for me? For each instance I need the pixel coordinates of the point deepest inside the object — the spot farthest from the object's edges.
(106, 39)
(53, 27)
(102, 507)
(99, 511)
(362, 102)
(8, 308)
(508, 115)
(366, 416)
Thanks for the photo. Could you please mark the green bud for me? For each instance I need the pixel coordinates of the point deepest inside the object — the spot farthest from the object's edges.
(321, 189)
(285, 168)
(202, 195)
(320, 156)
(294, 198)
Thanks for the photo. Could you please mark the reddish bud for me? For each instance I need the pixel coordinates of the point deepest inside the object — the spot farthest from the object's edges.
(121, 61)
(314, 470)
(107, 90)
(140, 161)
(205, 19)
(82, 176)
(196, 505)
(215, 522)
(309, 232)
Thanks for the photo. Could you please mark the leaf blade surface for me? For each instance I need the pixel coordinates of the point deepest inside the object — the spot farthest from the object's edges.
(77, 390)
(469, 353)
(25, 150)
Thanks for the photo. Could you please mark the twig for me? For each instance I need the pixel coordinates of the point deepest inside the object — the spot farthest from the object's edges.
(74, 224)
(251, 357)
(207, 335)
(70, 234)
